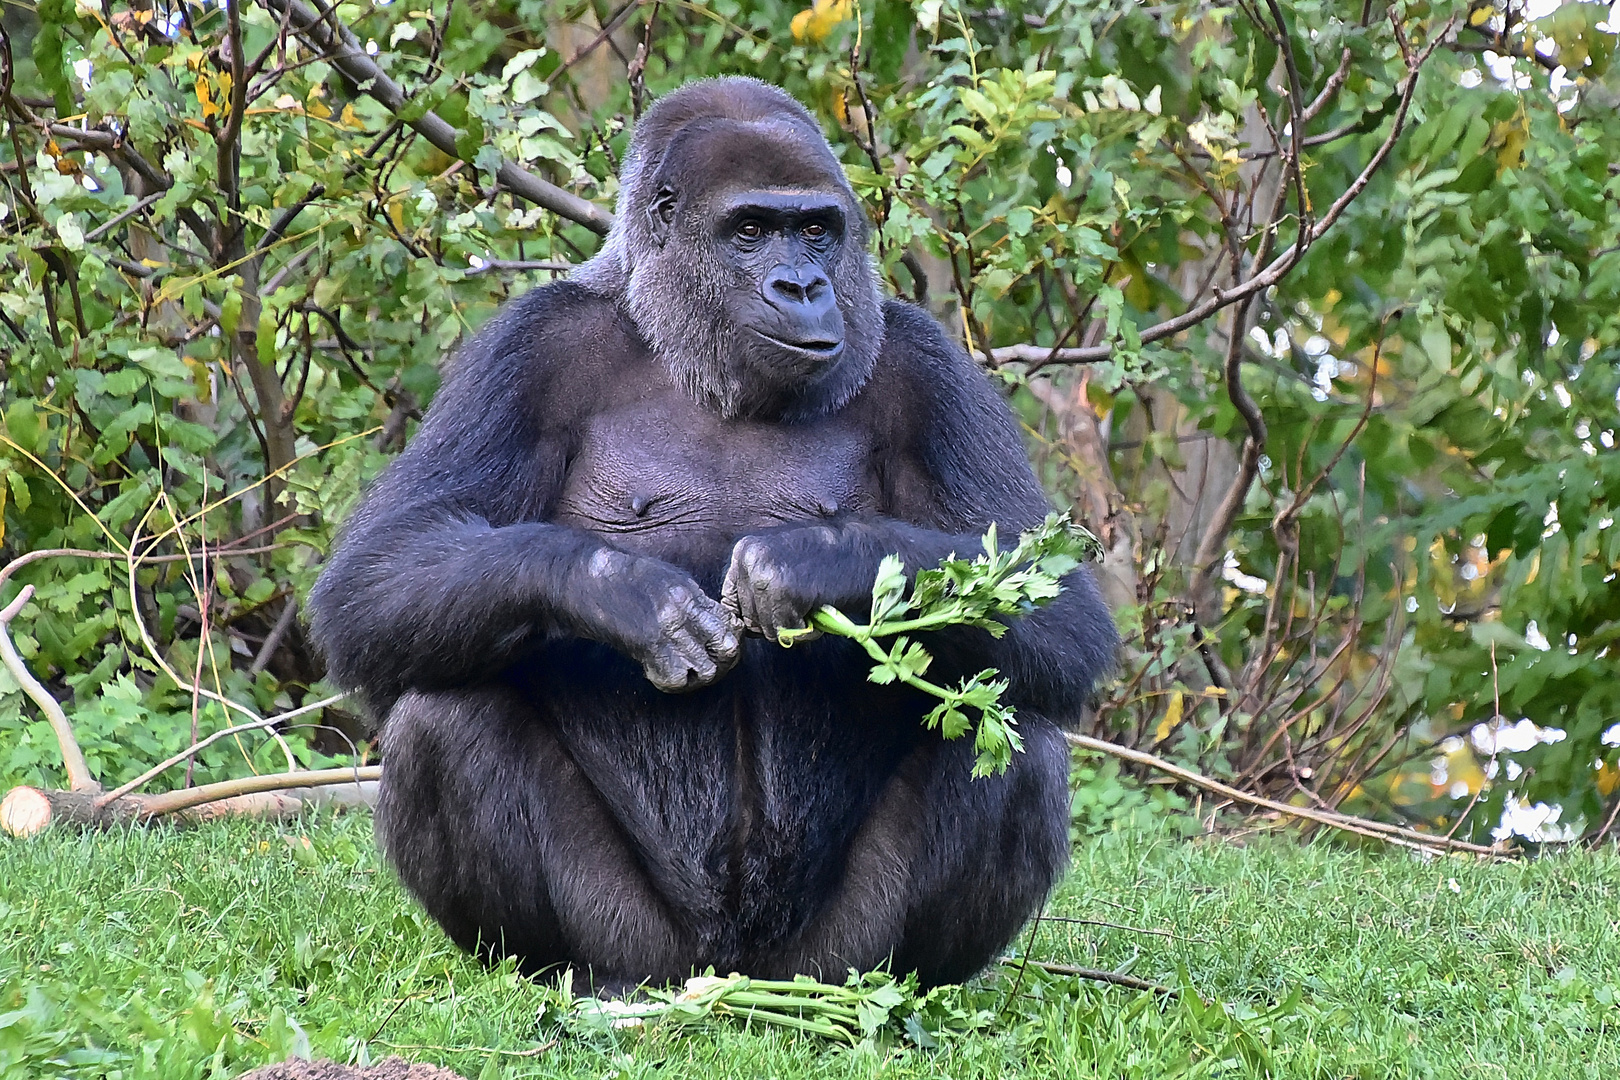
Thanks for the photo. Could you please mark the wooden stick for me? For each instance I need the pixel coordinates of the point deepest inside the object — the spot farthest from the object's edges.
(1094, 974)
(1378, 830)
(79, 778)
(26, 811)
(196, 747)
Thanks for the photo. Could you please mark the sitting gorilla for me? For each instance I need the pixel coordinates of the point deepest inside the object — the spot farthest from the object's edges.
(563, 598)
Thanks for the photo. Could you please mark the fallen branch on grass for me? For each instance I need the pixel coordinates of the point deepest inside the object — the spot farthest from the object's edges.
(26, 811)
(1377, 830)
(1093, 974)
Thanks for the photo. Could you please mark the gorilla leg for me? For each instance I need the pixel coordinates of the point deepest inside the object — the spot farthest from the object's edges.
(946, 869)
(493, 827)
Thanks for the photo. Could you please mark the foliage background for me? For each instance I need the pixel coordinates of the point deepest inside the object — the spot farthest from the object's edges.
(1341, 406)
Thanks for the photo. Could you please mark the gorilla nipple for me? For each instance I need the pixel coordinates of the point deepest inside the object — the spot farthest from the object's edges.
(639, 504)
(828, 508)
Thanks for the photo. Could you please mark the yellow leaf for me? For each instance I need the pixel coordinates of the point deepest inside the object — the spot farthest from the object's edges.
(821, 18)
(3, 493)
(204, 97)
(1510, 137)
(351, 120)
(313, 104)
(1171, 717)
(1608, 776)
(1478, 16)
(199, 378)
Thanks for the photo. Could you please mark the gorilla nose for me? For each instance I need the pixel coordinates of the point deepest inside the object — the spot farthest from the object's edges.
(796, 285)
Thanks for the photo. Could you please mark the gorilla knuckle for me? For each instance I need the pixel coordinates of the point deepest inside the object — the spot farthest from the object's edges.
(606, 562)
(753, 554)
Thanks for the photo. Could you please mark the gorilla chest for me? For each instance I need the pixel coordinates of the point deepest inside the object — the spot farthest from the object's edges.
(666, 474)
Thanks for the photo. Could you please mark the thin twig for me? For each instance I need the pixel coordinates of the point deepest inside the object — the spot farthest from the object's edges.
(1094, 974)
(278, 633)
(192, 751)
(79, 778)
(1378, 830)
(345, 53)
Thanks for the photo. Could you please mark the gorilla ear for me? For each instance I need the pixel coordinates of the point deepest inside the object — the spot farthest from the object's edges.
(661, 214)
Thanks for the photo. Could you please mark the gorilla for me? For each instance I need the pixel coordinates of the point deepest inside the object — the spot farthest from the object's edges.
(562, 598)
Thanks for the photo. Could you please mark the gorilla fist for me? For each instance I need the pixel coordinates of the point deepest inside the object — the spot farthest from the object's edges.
(658, 616)
(777, 579)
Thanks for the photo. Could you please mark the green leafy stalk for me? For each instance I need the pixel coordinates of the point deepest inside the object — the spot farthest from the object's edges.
(857, 1010)
(982, 592)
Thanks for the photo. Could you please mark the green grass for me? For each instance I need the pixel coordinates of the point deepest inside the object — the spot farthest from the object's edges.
(175, 954)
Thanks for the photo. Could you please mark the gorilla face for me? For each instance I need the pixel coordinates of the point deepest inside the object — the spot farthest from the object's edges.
(778, 247)
(740, 253)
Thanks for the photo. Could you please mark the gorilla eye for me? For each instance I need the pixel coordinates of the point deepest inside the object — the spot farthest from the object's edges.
(750, 230)
(815, 231)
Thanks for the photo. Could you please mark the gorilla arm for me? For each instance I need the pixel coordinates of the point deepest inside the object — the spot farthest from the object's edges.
(959, 465)
(448, 570)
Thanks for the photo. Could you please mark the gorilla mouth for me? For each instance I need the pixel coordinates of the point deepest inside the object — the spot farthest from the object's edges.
(820, 350)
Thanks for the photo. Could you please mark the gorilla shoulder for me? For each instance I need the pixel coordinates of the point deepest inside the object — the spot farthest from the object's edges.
(549, 354)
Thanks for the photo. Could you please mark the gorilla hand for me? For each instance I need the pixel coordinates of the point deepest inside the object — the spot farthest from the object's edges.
(658, 616)
(777, 579)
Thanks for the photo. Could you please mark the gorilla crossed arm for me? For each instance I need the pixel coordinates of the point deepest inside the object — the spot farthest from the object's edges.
(562, 598)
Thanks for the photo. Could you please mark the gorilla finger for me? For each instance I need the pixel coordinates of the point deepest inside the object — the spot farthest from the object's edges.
(675, 671)
(675, 607)
(703, 671)
(670, 678)
(763, 591)
(786, 615)
(745, 605)
(717, 630)
(689, 648)
(731, 593)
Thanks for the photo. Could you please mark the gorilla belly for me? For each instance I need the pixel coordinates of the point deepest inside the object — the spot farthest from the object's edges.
(743, 798)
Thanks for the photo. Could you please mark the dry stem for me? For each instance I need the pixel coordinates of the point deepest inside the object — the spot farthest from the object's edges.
(1378, 830)
(79, 778)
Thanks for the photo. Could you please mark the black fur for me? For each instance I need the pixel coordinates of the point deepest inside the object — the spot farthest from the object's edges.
(592, 511)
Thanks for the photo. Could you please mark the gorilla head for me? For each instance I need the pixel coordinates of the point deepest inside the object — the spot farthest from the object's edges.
(740, 253)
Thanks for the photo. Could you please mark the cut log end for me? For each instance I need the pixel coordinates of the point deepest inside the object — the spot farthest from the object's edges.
(28, 811)
(25, 811)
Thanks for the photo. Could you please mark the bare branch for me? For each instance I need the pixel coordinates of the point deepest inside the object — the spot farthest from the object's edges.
(101, 230)
(1045, 354)
(202, 744)
(79, 778)
(278, 634)
(349, 58)
(26, 811)
(518, 266)
(1378, 830)
(1279, 267)
(1212, 545)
